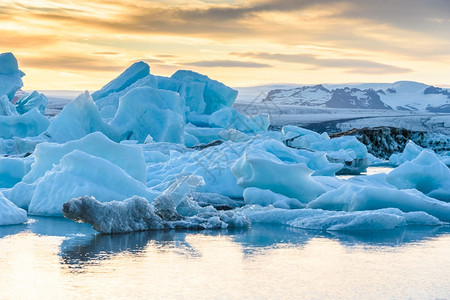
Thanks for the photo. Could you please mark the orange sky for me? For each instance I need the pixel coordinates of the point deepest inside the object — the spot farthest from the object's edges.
(81, 44)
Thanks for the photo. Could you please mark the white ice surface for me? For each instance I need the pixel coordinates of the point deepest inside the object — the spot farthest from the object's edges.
(10, 214)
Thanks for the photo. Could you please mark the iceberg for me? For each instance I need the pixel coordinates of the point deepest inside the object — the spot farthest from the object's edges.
(6, 107)
(299, 137)
(108, 105)
(10, 75)
(262, 197)
(33, 100)
(316, 219)
(425, 173)
(355, 197)
(135, 72)
(11, 214)
(229, 118)
(79, 174)
(76, 120)
(12, 170)
(145, 110)
(212, 163)
(278, 171)
(204, 135)
(30, 124)
(410, 152)
(136, 214)
(216, 95)
(129, 158)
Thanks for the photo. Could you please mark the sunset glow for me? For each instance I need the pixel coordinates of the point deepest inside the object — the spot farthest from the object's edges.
(65, 44)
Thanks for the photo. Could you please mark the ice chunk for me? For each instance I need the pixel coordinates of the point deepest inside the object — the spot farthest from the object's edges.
(353, 197)
(136, 214)
(9, 213)
(234, 135)
(79, 174)
(6, 107)
(316, 219)
(129, 158)
(145, 110)
(410, 152)
(425, 173)
(216, 200)
(346, 150)
(262, 197)
(33, 100)
(192, 92)
(10, 75)
(344, 142)
(190, 140)
(29, 124)
(108, 105)
(212, 163)
(202, 134)
(280, 173)
(302, 138)
(368, 220)
(216, 95)
(12, 171)
(135, 72)
(76, 120)
(133, 214)
(229, 118)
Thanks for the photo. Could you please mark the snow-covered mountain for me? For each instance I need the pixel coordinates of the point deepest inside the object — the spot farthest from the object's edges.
(401, 95)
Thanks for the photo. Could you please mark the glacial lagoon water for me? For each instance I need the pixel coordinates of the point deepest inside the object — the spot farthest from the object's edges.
(54, 258)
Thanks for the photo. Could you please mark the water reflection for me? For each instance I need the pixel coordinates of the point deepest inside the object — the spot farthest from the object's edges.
(81, 250)
(11, 230)
(393, 238)
(82, 246)
(67, 260)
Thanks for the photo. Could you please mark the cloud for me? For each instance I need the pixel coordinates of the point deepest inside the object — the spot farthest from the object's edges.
(106, 53)
(352, 65)
(14, 40)
(227, 64)
(70, 63)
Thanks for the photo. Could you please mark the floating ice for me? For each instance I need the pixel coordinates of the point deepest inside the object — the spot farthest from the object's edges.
(135, 72)
(317, 219)
(31, 123)
(129, 158)
(204, 135)
(216, 95)
(136, 214)
(354, 197)
(76, 120)
(298, 137)
(425, 173)
(10, 75)
(79, 174)
(9, 213)
(212, 163)
(410, 152)
(108, 105)
(145, 110)
(278, 171)
(229, 118)
(12, 170)
(342, 143)
(262, 197)
(33, 100)
(6, 107)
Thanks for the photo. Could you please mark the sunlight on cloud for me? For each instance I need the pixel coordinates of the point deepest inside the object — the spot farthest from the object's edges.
(339, 37)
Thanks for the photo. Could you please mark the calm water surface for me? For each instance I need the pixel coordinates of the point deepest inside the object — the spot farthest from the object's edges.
(54, 258)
